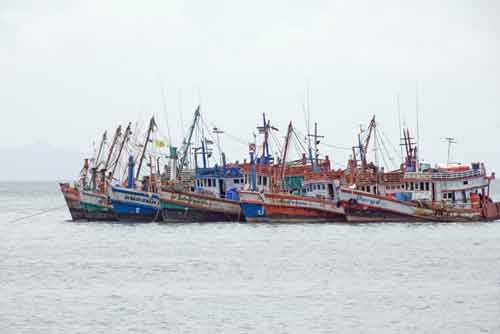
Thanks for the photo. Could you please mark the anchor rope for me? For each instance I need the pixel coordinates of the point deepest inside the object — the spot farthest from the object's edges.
(36, 214)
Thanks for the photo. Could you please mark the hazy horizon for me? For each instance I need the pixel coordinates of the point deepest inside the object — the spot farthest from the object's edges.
(72, 69)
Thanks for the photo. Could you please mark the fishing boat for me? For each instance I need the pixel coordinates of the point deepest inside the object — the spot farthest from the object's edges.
(416, 191)
(72, 193)
(94, 197)
(134, 205)
(139, 200)
(97, 206)
(290, 192)
(72, 197)
(213, 197)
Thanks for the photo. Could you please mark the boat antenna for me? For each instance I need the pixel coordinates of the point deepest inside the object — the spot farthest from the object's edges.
(417, 153)
(164, 102)
(217, 133)
(450, 141)
(399, 122)
(181, 119)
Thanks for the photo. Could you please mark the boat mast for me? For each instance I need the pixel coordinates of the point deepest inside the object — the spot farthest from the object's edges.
(315, 162)
(124, 140)
(266, 129)
(152, 125)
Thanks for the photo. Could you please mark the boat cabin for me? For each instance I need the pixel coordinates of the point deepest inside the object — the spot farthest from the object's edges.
(218, 181)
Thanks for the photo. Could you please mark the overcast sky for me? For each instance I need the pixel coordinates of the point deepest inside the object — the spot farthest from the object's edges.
(71, 69)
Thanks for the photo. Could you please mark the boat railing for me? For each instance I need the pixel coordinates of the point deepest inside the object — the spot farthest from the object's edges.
(445, 175)
(457, 175)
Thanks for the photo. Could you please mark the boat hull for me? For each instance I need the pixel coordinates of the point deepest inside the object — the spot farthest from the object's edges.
(97, 207)
(180, 206)
(285, 208)
(72, 198)
(134, 205)
(366, 207)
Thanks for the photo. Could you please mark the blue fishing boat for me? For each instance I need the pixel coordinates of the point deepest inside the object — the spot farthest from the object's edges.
(137, 203)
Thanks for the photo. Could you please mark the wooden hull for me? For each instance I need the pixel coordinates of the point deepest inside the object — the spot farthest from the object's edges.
(366, 207)
(72, 198)
(180, 206)
(285, 208)
(97, 207)
(133, 205)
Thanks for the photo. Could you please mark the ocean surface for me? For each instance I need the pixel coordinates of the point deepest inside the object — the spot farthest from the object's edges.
(58, 276)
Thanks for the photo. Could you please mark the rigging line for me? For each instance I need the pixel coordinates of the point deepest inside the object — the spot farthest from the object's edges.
(381, 152)
(393, 164)
(235, 138)
(297, 148)
(390, 143)
(36, 214)
(276, 143)
(336, 146)
(299, 141)
(164, 102)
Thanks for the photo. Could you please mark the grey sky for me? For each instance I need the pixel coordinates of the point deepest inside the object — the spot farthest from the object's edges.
(70, 69)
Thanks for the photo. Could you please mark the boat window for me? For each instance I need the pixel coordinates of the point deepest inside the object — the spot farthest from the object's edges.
(323, 186)
(236, 181)
(421, 186)
(412, 186)
(427, 186)
(466, 182)
(264, 180)
(259, 180)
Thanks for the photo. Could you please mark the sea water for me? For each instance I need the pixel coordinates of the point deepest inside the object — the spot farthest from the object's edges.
(59, 276)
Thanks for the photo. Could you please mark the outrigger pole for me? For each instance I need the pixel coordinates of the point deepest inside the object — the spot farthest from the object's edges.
(118, 133)
(124, 140)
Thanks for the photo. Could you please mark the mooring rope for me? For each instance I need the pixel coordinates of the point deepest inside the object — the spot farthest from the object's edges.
(36, 214)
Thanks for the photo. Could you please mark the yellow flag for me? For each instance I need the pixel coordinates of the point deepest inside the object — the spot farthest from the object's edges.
(159, 143)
